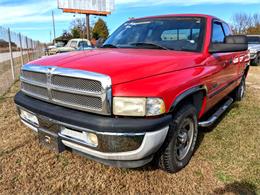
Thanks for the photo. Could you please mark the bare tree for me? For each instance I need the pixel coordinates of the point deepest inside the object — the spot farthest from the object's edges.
(241, 22)
(256, 19)
(246, 24)
(78, 28)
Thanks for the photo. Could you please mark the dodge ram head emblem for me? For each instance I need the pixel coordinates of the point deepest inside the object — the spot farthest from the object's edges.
(50, 70)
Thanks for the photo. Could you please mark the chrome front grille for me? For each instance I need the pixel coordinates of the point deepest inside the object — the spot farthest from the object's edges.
(34, 76)
(71, 88)
(35, 90)
(83, 101)
(77, 83)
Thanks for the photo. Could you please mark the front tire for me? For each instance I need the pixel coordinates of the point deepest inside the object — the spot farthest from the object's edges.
(180, 143)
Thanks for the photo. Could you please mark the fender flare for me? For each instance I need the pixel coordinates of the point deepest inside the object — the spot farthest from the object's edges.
(187, 93)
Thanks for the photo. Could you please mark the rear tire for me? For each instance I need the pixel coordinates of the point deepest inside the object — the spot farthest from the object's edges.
(181, 140)
(239, 92)
(256, 61)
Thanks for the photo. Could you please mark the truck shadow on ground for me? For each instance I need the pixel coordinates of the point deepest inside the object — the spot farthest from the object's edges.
(236, 187)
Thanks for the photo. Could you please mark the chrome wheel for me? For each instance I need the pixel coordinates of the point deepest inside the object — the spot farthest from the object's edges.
(184, 139)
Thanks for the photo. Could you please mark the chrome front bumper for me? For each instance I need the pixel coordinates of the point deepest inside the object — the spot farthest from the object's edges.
(148, 142)
(151, 143)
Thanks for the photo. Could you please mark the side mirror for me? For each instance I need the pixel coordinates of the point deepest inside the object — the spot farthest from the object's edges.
(232, 43)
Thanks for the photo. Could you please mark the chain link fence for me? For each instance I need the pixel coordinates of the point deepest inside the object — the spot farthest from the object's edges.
(15, 50)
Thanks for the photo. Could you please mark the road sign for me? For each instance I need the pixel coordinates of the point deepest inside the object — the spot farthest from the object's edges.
(90, 7)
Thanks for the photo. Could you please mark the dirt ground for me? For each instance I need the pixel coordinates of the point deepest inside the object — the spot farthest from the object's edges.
(227, 160)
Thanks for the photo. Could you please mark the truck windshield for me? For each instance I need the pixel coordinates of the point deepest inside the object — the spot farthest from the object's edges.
(174, 33)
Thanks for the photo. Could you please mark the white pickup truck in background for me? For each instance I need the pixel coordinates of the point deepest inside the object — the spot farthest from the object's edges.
(254, 48)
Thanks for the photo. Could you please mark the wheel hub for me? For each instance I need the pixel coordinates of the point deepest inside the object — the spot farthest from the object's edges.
(185, 138)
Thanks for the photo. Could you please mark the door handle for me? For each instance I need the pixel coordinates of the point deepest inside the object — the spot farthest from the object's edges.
(235, 60)
(228, 62)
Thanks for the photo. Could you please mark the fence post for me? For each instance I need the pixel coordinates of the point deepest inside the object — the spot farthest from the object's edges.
(40, 49)
(27, 48)
(21, 48)
(11, 53)
(37, 49)
(33, 57)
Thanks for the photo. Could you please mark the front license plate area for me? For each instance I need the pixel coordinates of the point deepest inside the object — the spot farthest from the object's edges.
(50, 140)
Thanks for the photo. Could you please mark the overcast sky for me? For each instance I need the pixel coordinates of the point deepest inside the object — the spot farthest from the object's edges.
(33, 17)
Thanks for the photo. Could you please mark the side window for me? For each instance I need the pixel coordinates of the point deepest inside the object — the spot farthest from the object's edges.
(218, 35)
(73, 44)
(184, 34)
(181, 34)
(83, 44)
(169, 35)
(195, 34)
(227, 29)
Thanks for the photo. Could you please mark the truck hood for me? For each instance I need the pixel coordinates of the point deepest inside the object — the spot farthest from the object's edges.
(64, 49)
(124, 65)
(254, 46)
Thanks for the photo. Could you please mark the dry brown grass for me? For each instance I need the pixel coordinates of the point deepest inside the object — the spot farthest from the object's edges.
(227, 160)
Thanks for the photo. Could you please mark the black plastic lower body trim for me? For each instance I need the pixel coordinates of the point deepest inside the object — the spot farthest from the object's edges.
(223, 88)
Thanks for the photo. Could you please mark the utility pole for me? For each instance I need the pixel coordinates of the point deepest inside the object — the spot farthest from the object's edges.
(50, 37)
(87, 26)
(53, 24)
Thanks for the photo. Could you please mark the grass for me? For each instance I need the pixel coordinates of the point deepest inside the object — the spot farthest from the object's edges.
(224, 177)
(226, 161)
(235, 152)
(233, 146)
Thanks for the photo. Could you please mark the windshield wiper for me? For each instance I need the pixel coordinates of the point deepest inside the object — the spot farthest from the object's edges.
(149, 45)
(109, 46)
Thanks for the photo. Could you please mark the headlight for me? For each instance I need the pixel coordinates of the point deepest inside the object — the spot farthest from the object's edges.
(123, 106)
(154, 106)
(29, 117)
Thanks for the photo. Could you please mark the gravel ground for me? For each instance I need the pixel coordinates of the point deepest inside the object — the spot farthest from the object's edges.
(220, 165)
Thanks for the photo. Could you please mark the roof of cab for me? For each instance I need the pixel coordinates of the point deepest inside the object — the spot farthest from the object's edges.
(177, 15)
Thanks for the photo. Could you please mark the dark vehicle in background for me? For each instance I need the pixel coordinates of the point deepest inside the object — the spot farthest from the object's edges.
(254, 48)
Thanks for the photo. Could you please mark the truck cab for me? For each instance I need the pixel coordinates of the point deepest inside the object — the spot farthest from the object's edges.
(141, 97)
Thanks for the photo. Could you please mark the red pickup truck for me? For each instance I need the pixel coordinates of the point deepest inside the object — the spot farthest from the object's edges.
(142, 96)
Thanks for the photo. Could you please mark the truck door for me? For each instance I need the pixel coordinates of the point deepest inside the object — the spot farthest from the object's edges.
(224, 61)
(238, 58)
(224, 68)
